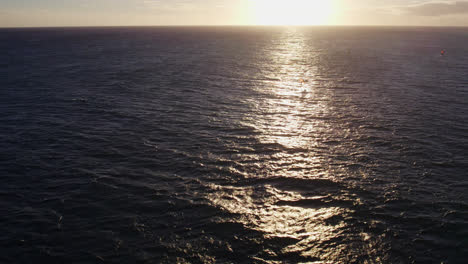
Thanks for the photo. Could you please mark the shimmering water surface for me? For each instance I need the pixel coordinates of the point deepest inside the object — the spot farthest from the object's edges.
(234, 145)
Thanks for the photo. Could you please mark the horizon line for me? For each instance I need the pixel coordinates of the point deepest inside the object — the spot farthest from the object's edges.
(224, 25)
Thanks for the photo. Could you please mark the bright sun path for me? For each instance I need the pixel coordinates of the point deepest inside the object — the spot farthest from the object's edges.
(292, 12)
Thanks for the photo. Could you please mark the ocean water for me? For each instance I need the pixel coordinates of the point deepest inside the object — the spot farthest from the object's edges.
(234, 145)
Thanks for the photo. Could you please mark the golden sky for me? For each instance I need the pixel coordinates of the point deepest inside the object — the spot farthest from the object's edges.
(19, 13)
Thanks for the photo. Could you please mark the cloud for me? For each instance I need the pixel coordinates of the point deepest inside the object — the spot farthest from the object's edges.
(188, 5)
(173, 6)
(432, 9)
(178, 5)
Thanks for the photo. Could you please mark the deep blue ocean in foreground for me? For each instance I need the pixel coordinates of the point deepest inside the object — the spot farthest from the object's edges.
(234, 145)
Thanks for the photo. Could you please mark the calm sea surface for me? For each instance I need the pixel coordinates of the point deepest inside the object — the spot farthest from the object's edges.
(234, 145)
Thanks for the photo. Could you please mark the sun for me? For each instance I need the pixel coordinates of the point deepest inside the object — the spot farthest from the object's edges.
(292, 12)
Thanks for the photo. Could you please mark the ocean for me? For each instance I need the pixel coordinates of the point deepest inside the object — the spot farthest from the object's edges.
(234, 145)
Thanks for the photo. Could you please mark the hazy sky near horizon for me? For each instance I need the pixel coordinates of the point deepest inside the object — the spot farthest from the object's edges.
(20, 13)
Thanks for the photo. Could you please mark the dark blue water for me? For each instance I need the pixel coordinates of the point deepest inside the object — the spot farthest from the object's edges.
(234, 145)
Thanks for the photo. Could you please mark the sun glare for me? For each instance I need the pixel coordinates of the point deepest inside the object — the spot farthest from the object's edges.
(292, 12)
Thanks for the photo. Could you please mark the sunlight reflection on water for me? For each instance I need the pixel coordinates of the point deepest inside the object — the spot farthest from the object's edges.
(305, 226)
(283, 117)
(287, 108)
